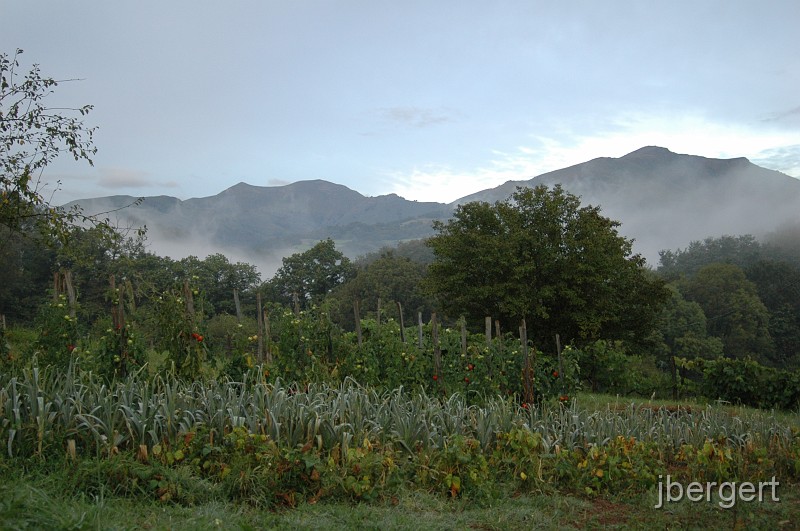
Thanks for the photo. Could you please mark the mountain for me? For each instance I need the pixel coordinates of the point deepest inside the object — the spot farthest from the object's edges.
(664, 200)
(262, 224)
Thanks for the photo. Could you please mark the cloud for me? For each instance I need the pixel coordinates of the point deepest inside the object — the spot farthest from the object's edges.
(791, 114)
(785, 159)
(418, 117)
(117, 178)
(690, 134)
(278, 182)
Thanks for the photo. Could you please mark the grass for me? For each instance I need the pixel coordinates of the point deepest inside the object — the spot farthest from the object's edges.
(46, 495)
(601, 402)
(38, 503)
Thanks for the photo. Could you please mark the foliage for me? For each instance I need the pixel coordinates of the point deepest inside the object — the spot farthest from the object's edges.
(390, 278)
(604, 366)
(310, 275)
(180, 333)
(179, 441)
(32, 136)
(541, 256)
(58, 333)
(681, 332)
(744, 381)
(742, 251)
(27, 269)
(217, 278)
(778, 287)
(734, 312)
(233, 342)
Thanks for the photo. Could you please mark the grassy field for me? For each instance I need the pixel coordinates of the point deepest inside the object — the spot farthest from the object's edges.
(45, 494)
(39, 503)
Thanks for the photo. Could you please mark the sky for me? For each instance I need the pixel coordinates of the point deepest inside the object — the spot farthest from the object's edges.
(431, 100)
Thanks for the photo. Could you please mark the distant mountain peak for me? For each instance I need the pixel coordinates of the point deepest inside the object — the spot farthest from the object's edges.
(648, 152)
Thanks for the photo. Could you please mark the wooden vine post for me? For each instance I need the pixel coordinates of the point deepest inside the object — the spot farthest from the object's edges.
(528, 363)
(237, 304)
(488, 331)
(437, 352)
(419, 329)
(62, 284)
(267, 336)
(260, 337)
(463, 323)
(402, 324)
(118, 315)
(357, 316)
(296, 302)
(560, 364)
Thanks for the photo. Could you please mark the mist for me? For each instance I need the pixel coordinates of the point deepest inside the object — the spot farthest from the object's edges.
(663, 200)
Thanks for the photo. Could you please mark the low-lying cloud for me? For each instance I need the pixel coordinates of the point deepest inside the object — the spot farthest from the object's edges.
(121, 178)
(419, 117)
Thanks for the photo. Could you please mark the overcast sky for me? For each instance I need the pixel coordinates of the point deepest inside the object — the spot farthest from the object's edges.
(430, 99)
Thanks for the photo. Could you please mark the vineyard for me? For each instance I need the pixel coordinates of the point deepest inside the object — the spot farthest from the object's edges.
(167, 405)
(521, 367)
(271, 443)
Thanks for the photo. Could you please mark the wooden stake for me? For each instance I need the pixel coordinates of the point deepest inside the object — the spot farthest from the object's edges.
(238, 305)
(70, 293)
(143, 457)
(402, 324)
(187, 294)
(560, 363)
(527, 371)
(488, 323)
(419, 329)
(437, 351)
(267, 336)
(260, 318)
(357, 315)
(463, 323)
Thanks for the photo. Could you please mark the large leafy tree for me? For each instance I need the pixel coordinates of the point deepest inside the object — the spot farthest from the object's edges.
(733, 310)
(778, 287)
(391, 278)
(681, 332)
(311, 275)
(32, 135)
(217, 277)
(26, 269)
(543, 257)
(742, 251)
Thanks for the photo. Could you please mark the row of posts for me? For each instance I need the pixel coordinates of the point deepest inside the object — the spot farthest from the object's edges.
(528, 355)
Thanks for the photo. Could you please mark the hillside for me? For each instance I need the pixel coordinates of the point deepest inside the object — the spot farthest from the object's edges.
(262, 224)
(663, 199)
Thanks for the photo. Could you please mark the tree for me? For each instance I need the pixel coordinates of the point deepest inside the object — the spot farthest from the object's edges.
(311, 274)
(778, 287)
(681, 332)
(27, 273)
(31, 137)
(391, 278)
(733, 310)
(217, 278)
(541, 256)
(742, 251)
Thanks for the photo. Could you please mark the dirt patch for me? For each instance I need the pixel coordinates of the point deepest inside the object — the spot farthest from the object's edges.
(605, 514)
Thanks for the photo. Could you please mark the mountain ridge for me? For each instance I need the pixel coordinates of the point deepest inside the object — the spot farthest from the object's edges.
(663, 199)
